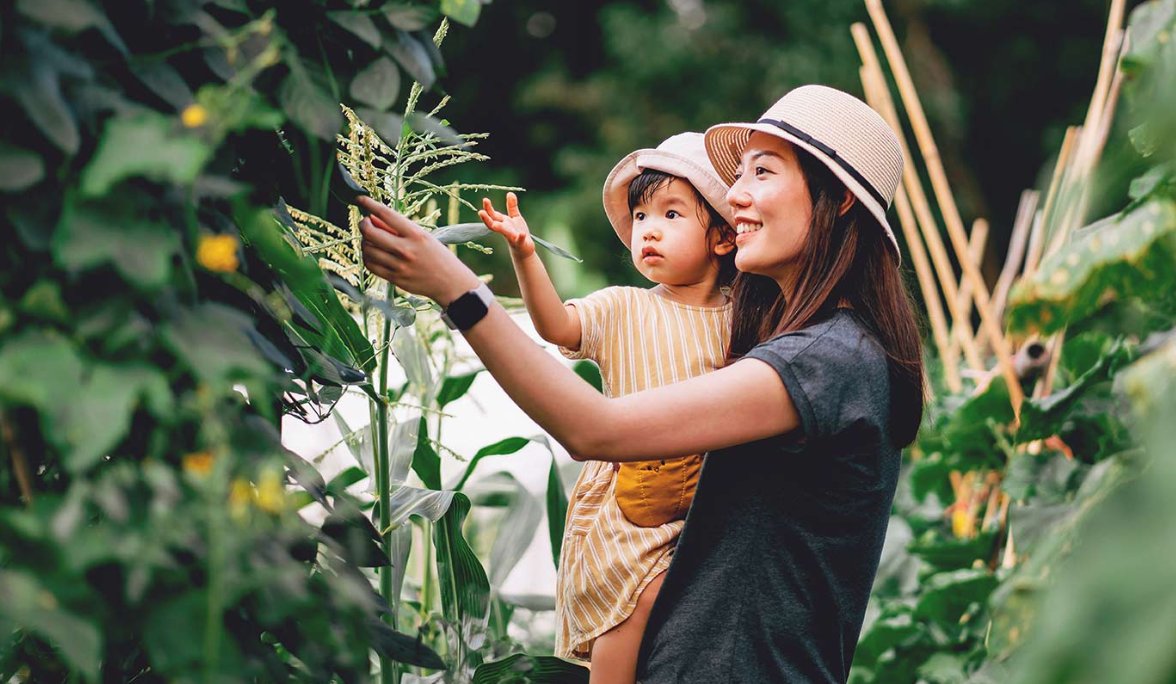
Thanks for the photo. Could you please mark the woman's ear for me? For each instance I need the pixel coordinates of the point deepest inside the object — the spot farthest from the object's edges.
(846, 203)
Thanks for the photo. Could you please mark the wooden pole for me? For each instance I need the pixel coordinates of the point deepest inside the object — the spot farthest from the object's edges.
(1015, 256)
(910, 231)
(976, 243)
(918, 199)
(1037, 239)
(947, 205)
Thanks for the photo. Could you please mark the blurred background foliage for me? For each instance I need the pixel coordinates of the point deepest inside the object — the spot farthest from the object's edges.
(567, 89)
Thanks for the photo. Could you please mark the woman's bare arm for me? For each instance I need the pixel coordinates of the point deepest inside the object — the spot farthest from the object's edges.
(741, 403)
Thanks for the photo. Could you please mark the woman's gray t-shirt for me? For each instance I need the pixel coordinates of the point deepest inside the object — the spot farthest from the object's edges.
(773, 570)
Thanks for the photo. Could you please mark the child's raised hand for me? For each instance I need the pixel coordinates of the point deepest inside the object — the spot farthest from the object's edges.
(512, 225)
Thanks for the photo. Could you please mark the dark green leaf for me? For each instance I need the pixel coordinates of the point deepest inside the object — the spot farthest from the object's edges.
(590, 372)
(521, 668)
(345, 479)
(465, 589)
(19, 168)
(403, 648)
(427, 125)
(358, 539)
(425, 461)
(378, 84)
(462, 11)
(412, 57)
(93, 234)
(70, 16)
(515, 532)
(387, 125)
(557, 510)
(409, 17)
(499, 448)
(210, 339)
(40, 97)
(165, 82)
(359, 24)
(947, 595)
(454, 387)
(949, 553)
(146, 144)
(309, 106)
(31, 606)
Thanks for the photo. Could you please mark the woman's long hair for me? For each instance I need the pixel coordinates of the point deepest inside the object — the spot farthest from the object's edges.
(846, 257)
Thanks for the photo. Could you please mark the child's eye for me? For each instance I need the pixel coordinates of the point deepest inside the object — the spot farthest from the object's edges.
(672, 214)
(639, 216)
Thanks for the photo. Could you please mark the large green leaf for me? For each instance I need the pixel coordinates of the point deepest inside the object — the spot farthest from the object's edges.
(425, 461)
(91, 234)
(144, 144)
(19, 168)
(462, 11)
(947, 595)
(502, 447)
(521, 668)
(359, 24)
(210, 339)
(1133, 255)
(557, 509)
(454, 387)
(337, 335)
(39, 95)
(465, 589)
(377, 85)
(515, 531)
(308, 105)
(32, 607)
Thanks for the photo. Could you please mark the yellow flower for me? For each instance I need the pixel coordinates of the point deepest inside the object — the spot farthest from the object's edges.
(218, 253)
(194, 116)
(240, 496)
(271, 494)
(198, 463)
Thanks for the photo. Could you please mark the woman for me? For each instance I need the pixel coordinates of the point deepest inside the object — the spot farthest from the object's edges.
(803, 427)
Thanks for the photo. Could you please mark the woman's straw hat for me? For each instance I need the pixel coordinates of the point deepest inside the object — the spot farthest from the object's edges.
(840, 130)
(683, 155)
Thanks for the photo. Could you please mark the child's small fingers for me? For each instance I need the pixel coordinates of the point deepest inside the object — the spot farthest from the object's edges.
(512, 205)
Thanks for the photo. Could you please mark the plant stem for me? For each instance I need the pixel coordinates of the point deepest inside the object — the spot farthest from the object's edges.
(389, 671)
(19, 465)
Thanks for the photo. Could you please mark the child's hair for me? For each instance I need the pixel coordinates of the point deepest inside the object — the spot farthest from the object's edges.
(649, 181)
(845, 257)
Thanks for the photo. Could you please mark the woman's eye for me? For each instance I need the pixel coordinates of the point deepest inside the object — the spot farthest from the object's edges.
(759, 170)
(738, 175)
(672, 214)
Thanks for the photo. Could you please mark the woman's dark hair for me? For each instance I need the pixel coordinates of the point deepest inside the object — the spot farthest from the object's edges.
(649, 181)
(846, 257)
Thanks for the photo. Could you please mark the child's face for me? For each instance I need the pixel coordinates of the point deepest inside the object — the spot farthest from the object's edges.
(772, 207)
(671, 244)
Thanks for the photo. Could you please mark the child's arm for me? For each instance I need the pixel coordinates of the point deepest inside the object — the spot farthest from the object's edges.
(554, 321)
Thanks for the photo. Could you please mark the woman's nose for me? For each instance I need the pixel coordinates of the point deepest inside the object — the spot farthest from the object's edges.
(736, 195)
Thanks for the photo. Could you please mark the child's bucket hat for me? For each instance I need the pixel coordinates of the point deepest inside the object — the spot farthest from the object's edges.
(683, 155)
(838, 129)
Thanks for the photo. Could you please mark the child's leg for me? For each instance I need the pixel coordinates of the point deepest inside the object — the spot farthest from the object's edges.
(614, 653)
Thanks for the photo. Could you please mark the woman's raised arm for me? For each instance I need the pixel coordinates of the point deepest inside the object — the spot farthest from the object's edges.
(741, 403)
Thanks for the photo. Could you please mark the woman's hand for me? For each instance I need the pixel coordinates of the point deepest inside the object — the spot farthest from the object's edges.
(512, 226)
(399, 251)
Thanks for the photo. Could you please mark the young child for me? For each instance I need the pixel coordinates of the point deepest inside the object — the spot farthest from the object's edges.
(668, 207)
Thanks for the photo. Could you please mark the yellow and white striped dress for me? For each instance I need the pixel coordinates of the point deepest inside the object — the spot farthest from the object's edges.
(640, 340)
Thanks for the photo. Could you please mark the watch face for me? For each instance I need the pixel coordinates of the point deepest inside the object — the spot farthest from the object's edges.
(468, 309)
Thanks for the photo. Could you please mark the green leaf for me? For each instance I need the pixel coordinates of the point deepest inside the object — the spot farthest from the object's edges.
(359, 541)
(1125, 256)
(378, 84)
(163, 79)
(19, 168)
(409, 17)
(947, 595)
(337, 335)
(425, 461)
(502, 447)
(93, 234)
(359, 25)
(465, 589)
(556, 249)
(413, 356)
(144, 144)
(210, 339)
(590, 372)
(309, 106)
(461, 233)
(1043, 417)
(172, 624)
(427, 125)
(403, 648)
(339, 484)
(948, 553)
(412, 57)
(521, 668)
(557, 510)
(40, 97)
(39, 369)
(454, 387)
(462, 11)
(32, 607)
(99, 414)
(515, 531)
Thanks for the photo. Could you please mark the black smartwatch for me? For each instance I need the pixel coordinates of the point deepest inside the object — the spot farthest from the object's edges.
(463, 312)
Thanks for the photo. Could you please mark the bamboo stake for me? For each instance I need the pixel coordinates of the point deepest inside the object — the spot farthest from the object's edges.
(1018, 241)
(20, 466)
(1037, 241)
(976, 245)
(914, 187)
(918, 254)
(951, 214)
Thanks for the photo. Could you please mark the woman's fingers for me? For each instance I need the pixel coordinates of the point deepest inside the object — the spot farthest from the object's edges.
(390, 220)
(379, 237)
(377, 258)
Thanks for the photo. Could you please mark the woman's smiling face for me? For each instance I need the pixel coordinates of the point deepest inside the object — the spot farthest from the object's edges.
(772, 207)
